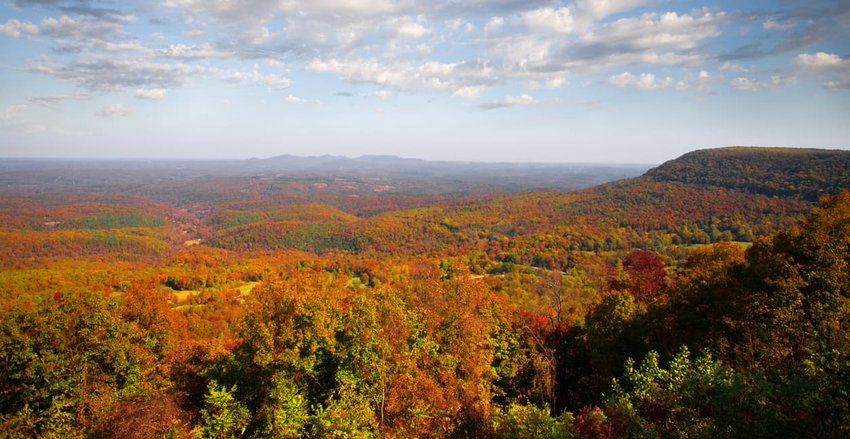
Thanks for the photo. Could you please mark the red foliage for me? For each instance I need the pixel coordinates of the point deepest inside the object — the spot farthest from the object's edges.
(647, 278)
(591, 422)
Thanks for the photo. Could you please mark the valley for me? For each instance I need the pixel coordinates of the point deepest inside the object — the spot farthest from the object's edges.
(386, 297)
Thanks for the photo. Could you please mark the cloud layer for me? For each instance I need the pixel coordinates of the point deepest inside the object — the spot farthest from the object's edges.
(463, 49)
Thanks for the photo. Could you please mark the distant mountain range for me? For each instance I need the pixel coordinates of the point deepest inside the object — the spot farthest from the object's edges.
(785, 172)
(97, 175)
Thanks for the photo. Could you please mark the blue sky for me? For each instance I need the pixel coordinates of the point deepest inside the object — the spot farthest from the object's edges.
(617, 81)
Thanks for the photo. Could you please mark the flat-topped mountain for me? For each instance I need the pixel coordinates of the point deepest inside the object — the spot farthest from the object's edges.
(785, 172)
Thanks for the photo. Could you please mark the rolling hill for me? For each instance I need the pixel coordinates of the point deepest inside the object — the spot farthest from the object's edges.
(785, 172)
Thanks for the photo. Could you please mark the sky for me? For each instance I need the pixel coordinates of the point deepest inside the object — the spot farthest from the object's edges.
(606, 81)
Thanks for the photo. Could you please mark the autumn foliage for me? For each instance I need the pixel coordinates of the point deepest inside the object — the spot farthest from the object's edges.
(652, 307)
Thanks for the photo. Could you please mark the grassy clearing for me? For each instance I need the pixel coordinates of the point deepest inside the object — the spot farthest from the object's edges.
(182, 299)
(246, 289)
(182, 296)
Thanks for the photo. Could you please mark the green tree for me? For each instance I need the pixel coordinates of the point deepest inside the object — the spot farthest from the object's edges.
(223, 417)
(65, 360)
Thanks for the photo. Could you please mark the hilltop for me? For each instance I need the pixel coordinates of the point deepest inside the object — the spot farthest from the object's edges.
(785, 172)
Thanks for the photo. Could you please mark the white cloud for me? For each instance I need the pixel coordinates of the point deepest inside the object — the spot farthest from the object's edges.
(183, 51)
(469, 91)
(771, 24)
(383, 94)
(733, 67)
(384, 42)
(106, 74)
(833, 67)
(748, 84)
(407, 27)
(275, 81)
(150, 93)
(668, 31)
(456, 47)
(494, 24)
(554, 82)
(291, 99)
(271, 80)
(114, 110)
(78, 27)
(838, 85)
(549, 21)
(18, 29)
(821, 61)
(644, 81)
(463, 79)
(522, 100)
(257, 35)
(459, 25)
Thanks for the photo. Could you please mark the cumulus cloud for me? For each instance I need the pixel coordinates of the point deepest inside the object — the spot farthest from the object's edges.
(494, 24)
(459, 25)
(550, 20)
(464, 79)
(553, 82)
(186, 52)
(275, 81)
(18, 29)
(822, 61)
(829, 66)
(270, 80)
(644, 81)
(460, 48)
(668, 31)
(150, 93)
(749, 84)
(114, 110)
(384, 42)
(469, 91)
(407, 27)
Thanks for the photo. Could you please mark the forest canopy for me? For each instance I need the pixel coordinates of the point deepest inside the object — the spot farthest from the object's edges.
(660, 306)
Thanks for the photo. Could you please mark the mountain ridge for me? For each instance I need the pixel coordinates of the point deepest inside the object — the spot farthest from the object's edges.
(806, 173)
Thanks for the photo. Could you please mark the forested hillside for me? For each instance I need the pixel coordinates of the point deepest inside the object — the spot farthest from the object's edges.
(786, 172)
(707, 298)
